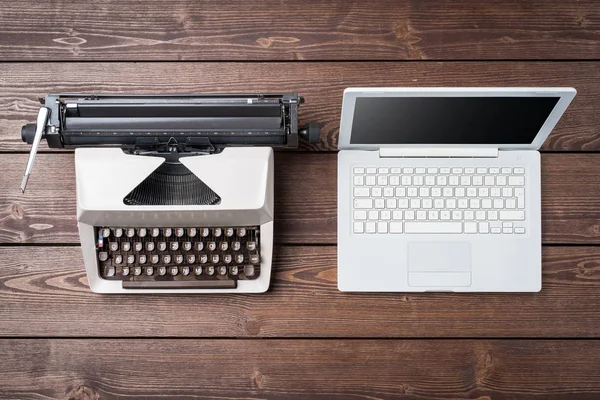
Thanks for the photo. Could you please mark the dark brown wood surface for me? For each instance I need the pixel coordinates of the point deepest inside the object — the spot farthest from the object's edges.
(303, 339)
(306, 209)
(300, 369)
(298, 30)
(321, 83)
(44, 292)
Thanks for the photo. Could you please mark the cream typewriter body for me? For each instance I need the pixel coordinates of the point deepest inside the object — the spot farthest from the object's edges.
(174, 194)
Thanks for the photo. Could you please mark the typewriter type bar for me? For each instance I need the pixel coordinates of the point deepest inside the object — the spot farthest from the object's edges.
(175, 257)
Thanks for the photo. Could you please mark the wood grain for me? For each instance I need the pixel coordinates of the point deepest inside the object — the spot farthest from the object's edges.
(44, 293)
(299, 369)
(322, 84)
(59, 340)
(305, 209)
(308, 30)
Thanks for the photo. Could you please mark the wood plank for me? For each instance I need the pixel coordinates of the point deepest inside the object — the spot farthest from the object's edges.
(305, 209)
(321, 84)
(299, 369)
(310, 30)
(44, 292)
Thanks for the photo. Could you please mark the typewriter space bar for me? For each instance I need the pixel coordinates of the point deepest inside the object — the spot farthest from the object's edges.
(216, 284)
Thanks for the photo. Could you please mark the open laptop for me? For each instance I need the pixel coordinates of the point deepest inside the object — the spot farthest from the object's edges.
(439, 188)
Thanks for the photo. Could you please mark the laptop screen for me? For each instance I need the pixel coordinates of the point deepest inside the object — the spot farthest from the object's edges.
(449, 120)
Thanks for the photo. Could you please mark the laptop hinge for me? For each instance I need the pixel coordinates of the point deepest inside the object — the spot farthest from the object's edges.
(438, 152)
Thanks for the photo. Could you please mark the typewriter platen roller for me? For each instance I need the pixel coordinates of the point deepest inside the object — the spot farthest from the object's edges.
(178, 166)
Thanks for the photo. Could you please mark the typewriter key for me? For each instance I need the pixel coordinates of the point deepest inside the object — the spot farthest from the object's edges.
(130, 259)
(113, 246)
(217, 232)
(167, 259)
(149, 271)
(178, 258)
(149, 246)
(167, 232)
(229, 232)
(162, 246)
(222, 270)
(103, 256)
(109, 271)
(137, 271)
(162, 271)
(249, 270)
(187, 246)
(125, 271)
(236, 246)
(118, 259)
(251, 246)
(204, 232)
(106, 232)
(254, 259)
(241, 232)
(215, 258)
(129, 232)
(191, 258)
(227, 258)
(154, 232)
(173, 271)
(142, 259)
(142, 232)
(138, 246)
(203, 258)
(233, 270)
(191, 232)
(118, 232)
(185, 271)
(224, 246)
(174, 246)
(210, 270)
(179, 232)
(212, 246)
(126, 246)
(199, 246)
(154, 258)
(239, 258)
(197, 270)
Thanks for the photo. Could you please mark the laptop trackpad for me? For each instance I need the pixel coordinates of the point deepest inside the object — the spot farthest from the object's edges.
(435, 264)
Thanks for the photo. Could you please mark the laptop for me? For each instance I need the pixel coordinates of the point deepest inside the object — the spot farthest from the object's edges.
(439, 188)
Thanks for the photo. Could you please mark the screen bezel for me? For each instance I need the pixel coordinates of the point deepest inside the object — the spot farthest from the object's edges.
(351, 94)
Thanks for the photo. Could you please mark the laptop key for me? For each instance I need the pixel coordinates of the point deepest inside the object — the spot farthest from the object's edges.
(370, 227)
(361, 192)
(512, 215)
(363, 203)
(359, 227)
(433, 227)
(395, 227)
(470, 227)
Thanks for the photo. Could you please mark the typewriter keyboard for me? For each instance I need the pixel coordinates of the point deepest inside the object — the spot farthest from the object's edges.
(163, 258)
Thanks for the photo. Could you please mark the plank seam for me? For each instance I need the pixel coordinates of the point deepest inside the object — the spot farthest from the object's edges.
(369, 60)
(299, 152)
(304, 338)
(281, 244)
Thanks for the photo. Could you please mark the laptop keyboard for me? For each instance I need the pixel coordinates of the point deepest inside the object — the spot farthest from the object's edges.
(438, 200)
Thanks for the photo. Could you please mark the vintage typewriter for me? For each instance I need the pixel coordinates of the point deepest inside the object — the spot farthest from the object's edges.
(174, 193)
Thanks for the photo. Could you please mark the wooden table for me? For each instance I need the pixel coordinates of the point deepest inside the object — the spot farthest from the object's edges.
(303, 339)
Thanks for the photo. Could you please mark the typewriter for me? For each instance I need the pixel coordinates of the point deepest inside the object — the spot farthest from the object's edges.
(174, 193)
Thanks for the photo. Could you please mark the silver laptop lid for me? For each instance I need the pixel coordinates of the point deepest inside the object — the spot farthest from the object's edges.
(502, 118)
